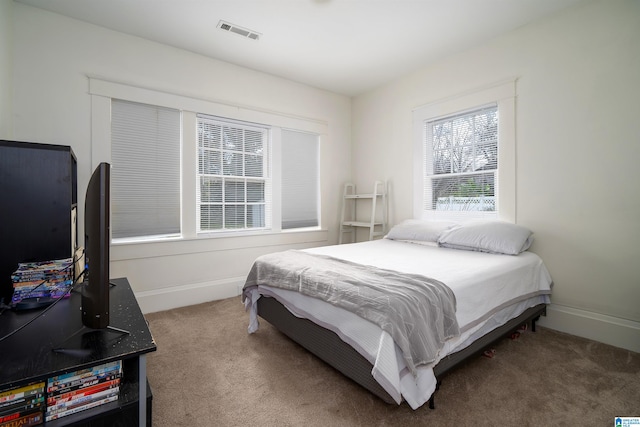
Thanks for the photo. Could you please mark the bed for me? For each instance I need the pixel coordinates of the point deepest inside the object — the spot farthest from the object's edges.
(482, 271)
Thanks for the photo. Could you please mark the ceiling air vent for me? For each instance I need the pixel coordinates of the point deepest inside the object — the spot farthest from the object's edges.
(244, 32)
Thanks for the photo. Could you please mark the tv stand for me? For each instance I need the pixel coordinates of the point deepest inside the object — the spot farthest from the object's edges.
(34, 354)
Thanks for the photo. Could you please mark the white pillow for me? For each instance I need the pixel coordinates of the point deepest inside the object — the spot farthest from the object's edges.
(417, 230)
(497, 237)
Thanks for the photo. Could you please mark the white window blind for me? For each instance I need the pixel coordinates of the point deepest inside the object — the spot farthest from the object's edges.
(233, 191)
(145, 177)
(461, 163)
(300, 179)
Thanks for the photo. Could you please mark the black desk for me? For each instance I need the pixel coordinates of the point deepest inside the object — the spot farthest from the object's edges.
(28, 355)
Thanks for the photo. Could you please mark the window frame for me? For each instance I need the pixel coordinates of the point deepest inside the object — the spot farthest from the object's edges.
(290, 181)
(503, 95)
(456, 153)
(162, 151)
(225, 178)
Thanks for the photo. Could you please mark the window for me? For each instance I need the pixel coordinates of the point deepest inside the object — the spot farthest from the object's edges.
(145, 172)
(233, 176)
(462, 161)
(464, 153)
(300, 179)
(187, 167)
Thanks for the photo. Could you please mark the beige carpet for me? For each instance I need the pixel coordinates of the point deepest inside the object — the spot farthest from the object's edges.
(209, 372)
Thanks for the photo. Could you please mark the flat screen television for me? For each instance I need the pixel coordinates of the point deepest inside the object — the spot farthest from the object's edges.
(97, 239)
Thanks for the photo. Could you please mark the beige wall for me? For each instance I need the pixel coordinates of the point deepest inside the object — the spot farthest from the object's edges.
(6, 69)
(578, 149)
(54, 57)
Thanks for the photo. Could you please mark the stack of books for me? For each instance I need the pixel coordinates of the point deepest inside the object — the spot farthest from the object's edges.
(79, 390)
(22, 406)
(42, 279)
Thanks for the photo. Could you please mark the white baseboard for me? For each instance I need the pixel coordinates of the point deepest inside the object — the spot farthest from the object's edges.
(181, 296)
(598, 327)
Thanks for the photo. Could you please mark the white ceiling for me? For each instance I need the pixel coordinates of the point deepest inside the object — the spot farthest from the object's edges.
(344, 46)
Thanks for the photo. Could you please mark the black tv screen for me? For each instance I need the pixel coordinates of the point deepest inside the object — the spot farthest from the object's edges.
(97, 239)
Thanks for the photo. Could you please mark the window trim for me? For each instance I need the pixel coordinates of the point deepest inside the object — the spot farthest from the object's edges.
(503, 94)
(102, 91)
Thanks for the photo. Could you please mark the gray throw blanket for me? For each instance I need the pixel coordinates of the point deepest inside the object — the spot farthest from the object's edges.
(418, 312)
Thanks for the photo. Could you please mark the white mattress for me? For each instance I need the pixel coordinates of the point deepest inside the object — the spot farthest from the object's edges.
(490, 290)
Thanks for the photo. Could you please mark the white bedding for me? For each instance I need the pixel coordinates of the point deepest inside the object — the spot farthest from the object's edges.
(490, 289)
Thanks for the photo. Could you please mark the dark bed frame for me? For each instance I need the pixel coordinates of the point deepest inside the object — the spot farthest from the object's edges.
(328, 346)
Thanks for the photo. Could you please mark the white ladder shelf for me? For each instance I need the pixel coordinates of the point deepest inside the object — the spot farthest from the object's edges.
(377, 222)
